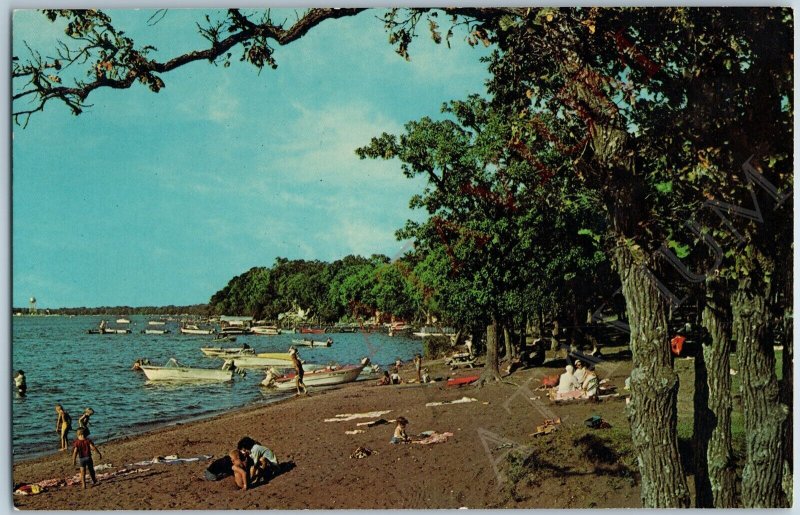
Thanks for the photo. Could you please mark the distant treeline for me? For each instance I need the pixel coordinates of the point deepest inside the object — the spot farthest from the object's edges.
(342, 290)
(196, 309)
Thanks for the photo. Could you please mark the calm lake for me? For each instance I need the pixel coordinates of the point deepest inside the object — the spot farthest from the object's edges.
(65, 365)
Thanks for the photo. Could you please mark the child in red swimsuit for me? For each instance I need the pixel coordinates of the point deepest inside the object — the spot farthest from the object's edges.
(82, 449)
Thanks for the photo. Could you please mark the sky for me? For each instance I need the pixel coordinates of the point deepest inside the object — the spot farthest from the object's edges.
(158, 199)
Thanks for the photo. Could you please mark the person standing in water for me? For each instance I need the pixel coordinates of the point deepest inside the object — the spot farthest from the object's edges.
(19, 382)
(83, 420)
(298, 369)
(63, 426)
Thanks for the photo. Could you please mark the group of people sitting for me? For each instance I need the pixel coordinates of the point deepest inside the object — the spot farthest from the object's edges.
(578, 382)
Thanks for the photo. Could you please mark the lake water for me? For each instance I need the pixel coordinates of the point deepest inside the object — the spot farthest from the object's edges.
(65, 365)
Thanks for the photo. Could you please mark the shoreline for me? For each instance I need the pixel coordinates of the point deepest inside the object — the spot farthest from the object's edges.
(465, 470)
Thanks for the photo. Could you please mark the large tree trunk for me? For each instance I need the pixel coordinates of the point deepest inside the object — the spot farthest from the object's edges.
(715, 474)
(491, 371)
(764, 415)
(654, 388)
(787, 372)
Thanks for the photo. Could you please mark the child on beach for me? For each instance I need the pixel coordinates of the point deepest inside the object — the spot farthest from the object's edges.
(82, 450)
(240, 468)
(83, 421)
(264, 461)
(63, 426)
(400, 435)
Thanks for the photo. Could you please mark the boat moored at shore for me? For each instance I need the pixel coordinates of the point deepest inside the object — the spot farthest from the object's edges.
(175, 371)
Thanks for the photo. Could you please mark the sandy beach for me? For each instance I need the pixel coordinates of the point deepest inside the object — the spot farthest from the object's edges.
(471, 469)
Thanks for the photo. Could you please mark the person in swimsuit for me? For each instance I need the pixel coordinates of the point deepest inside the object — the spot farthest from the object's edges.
(63, 426)
(418, 366)
(21, 384)
(82, 449)
(83, 420)
(298, 368)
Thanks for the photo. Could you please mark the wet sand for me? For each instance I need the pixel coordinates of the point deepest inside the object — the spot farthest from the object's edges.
(469, 470)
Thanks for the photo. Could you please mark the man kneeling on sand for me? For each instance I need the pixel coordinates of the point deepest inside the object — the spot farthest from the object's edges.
(264, 461)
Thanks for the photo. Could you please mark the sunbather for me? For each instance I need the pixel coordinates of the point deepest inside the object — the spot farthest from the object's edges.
(580, 373)
(566, 382)
(590, 384)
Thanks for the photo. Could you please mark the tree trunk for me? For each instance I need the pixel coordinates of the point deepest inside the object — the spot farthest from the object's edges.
(787, 372)
(764, 415)
(715, 474)
(491, 371)
(507, 341)
(654, 388)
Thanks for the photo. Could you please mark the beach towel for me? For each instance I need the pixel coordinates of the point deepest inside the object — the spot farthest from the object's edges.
(462, 400)
(352, 416)
(435, 438)
(169, 460)
(354, 432)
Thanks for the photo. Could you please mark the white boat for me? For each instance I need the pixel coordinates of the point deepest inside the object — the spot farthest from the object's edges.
(265, 330)
(259, 361)
(233, 330)
(426, 332)
(194, 329)
(174, 371)
(156, 331)
(116, 330)
(327, 376)
(228, 352)
(123, 321)
(308, 342)
(156, 322)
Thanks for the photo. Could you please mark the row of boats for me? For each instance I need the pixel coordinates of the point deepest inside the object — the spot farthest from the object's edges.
(262, 328)
(278, 366)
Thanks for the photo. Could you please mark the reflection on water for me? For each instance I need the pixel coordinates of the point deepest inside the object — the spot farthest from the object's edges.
(65, 365)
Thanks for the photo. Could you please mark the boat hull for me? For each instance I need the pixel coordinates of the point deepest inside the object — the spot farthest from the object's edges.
(311, 343)
(265, 331)
(311, 330)
(321, 377)
(183, 374)
(184, 330)
(156, 331)
(260, 362)
(226, 352)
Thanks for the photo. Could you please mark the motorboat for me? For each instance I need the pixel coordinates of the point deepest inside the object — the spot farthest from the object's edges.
(195, 329)
(263, 361)
(325, 376)
(229, 352)
(308, 342)
(123, 321)
(312, 330)
(150, 330)
(265, 330)
(223, 338)
(427, 332)
(175, 371)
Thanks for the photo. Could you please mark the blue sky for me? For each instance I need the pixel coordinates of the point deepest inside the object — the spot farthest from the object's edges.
(154, 199)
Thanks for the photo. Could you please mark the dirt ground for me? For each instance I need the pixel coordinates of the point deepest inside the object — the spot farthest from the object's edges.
(491, 461)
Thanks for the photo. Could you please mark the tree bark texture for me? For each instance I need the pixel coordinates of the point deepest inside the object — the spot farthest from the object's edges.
(492, 369)
(764, 415)
(507, 341)
(654, 388)
(715, 474)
